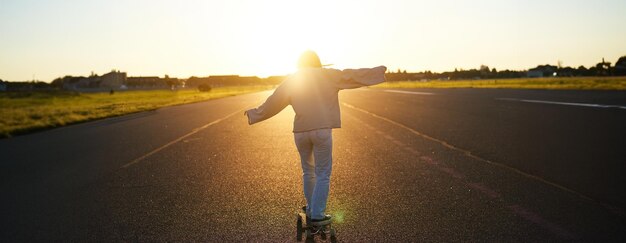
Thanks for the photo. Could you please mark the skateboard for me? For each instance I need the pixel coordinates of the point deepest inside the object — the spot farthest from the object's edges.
(311, 230)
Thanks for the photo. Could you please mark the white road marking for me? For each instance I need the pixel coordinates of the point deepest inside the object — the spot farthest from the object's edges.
(469, 153)
(194, 131)
(408, 92)
(564, 103)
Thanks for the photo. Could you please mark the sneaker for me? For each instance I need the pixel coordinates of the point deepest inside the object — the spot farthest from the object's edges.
(320, 222)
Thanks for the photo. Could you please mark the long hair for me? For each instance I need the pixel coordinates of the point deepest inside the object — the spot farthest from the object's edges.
(309, 59)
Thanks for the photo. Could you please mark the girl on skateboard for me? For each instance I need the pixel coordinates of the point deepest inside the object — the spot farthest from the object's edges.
(312, 92)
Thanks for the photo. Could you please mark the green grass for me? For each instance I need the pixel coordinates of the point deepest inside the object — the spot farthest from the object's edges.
(22, 112)
(578, 83)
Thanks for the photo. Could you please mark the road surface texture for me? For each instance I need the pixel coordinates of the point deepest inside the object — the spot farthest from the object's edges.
(409, 165)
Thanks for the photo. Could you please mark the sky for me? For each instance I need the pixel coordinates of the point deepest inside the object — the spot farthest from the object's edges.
(43, 40)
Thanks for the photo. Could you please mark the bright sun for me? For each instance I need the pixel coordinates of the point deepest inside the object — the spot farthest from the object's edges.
(281, 34)
(265, 38)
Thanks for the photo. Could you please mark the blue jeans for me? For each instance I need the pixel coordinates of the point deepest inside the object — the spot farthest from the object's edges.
(315, 148)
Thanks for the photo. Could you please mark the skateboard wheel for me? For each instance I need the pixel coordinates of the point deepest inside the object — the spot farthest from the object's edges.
(299, 229)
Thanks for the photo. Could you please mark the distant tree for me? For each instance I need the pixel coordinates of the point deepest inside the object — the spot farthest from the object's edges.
(620, 67)
(603, 68)
(582, 71)
(57, 82)
(566, 72)
(204, 88)
(171, 83)
(192, 81)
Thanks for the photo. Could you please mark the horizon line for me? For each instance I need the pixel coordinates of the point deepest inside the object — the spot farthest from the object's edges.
(389, 70)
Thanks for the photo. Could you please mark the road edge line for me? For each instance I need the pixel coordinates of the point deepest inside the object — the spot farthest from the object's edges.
(589, 105)
(407, 92)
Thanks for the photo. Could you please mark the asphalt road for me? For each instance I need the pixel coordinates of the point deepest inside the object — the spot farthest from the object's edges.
(409, 165)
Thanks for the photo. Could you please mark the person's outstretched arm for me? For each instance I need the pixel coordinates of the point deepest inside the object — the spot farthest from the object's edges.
(274, 104)
(355, 78)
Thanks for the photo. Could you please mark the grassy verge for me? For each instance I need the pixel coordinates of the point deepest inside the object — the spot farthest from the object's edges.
(580, 83)
(23, 112)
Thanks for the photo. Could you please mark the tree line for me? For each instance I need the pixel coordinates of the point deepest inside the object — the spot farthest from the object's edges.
(484, 72)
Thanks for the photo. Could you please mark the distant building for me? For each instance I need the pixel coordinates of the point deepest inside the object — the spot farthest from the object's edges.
(231, 80)
(114, 79)
(534, 73)
(542, 71)
(3, 86)
(146, 82)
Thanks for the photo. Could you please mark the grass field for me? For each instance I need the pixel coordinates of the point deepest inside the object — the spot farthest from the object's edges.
(581, 83)
(23, 112)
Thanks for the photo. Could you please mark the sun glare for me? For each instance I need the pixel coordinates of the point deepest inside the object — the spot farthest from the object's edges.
(279, 35)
